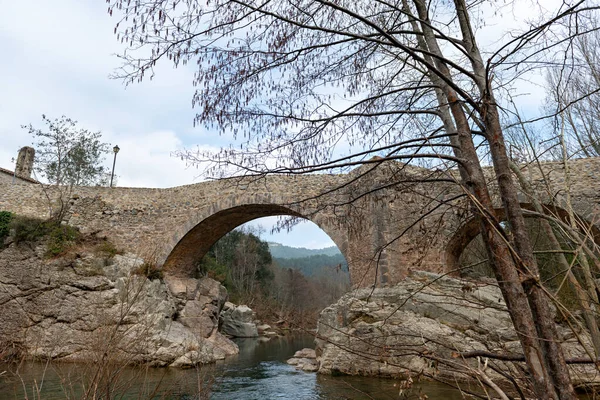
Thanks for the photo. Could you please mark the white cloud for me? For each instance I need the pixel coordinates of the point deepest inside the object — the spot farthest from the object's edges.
(60, 62)
(145, 161)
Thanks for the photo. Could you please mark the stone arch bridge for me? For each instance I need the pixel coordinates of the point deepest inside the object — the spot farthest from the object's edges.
(386, 218)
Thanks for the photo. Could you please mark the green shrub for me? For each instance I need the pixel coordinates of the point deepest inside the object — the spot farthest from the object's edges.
(209, 266)
(5, 219)
(27, 229)
(61, 237)
(108, 248)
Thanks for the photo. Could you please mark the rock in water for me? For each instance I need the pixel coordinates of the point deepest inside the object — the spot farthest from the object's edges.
(305, 360)
(238, 321)
(306, 353)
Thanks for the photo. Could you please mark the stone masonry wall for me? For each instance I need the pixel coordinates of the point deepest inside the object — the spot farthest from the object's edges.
(386, 220)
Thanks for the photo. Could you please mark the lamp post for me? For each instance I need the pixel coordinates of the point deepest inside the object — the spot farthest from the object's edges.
(115, 150)
(15, 171)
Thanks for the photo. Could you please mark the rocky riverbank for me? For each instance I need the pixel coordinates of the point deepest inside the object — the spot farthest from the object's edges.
(429, 325)
(90, 306)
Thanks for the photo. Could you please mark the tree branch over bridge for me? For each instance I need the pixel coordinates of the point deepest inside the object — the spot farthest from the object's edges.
(283, 74)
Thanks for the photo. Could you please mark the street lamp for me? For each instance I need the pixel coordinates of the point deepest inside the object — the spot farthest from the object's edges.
(115, 150)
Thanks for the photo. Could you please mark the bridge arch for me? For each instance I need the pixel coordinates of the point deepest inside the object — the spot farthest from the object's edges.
(192, 241)
(470, 229)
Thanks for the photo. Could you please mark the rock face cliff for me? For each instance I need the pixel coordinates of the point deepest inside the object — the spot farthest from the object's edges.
(423, 326)
(89, 307)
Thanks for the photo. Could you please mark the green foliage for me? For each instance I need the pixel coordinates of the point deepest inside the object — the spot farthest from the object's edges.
(5, 220)
(240, 261)
(230, 248)
(243, 264)
(108, 248)
(281, 251)
(61, 237)
(67, 155)
(211, 268)
(315, 264)
(27, 229)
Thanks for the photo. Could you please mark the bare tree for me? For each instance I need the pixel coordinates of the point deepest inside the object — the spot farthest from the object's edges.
(67, 156)
(566, 234)
(573, 89)
(320, 85)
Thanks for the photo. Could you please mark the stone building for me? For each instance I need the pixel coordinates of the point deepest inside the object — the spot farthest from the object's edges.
(23, 168)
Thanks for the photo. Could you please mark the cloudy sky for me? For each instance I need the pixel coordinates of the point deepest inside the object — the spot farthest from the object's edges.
(56, 59)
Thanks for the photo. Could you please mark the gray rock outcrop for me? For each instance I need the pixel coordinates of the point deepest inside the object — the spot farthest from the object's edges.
(238, 321)
(87, 307)
(421, 326)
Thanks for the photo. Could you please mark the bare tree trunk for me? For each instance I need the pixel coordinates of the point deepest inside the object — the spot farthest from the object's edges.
(525, 259)
(499, 252)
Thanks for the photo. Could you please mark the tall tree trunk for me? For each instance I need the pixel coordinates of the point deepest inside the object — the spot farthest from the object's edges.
(525, 260)
(499, 252)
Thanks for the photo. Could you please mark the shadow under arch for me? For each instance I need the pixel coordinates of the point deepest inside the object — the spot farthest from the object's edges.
(469, 231)
(195, 243)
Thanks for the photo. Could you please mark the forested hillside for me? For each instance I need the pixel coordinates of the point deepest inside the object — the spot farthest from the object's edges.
(291, 289)
(280, 251)
(309, 262)
(314, 265)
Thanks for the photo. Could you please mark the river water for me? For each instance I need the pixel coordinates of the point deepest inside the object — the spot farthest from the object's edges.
(259, 372)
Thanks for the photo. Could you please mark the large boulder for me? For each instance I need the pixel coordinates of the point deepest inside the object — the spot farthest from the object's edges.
(238, 321)
(421, 327)
(201, 303)
(87, 306)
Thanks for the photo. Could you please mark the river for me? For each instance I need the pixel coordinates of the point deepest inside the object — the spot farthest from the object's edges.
(258, 372)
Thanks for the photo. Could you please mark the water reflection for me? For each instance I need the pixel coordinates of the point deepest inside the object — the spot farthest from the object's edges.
(258, 372)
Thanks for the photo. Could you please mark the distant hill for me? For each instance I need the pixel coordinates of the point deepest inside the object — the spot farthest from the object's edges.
(309, 262)
(280, 251)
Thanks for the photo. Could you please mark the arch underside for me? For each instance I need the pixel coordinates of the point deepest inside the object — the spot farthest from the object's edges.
(197, 241)
(184, 256)
(469, 231)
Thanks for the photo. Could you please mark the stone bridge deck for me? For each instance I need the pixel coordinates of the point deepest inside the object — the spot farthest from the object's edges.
(385, 220)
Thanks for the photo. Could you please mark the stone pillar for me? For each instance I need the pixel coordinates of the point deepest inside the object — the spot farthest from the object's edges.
(25, 162)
